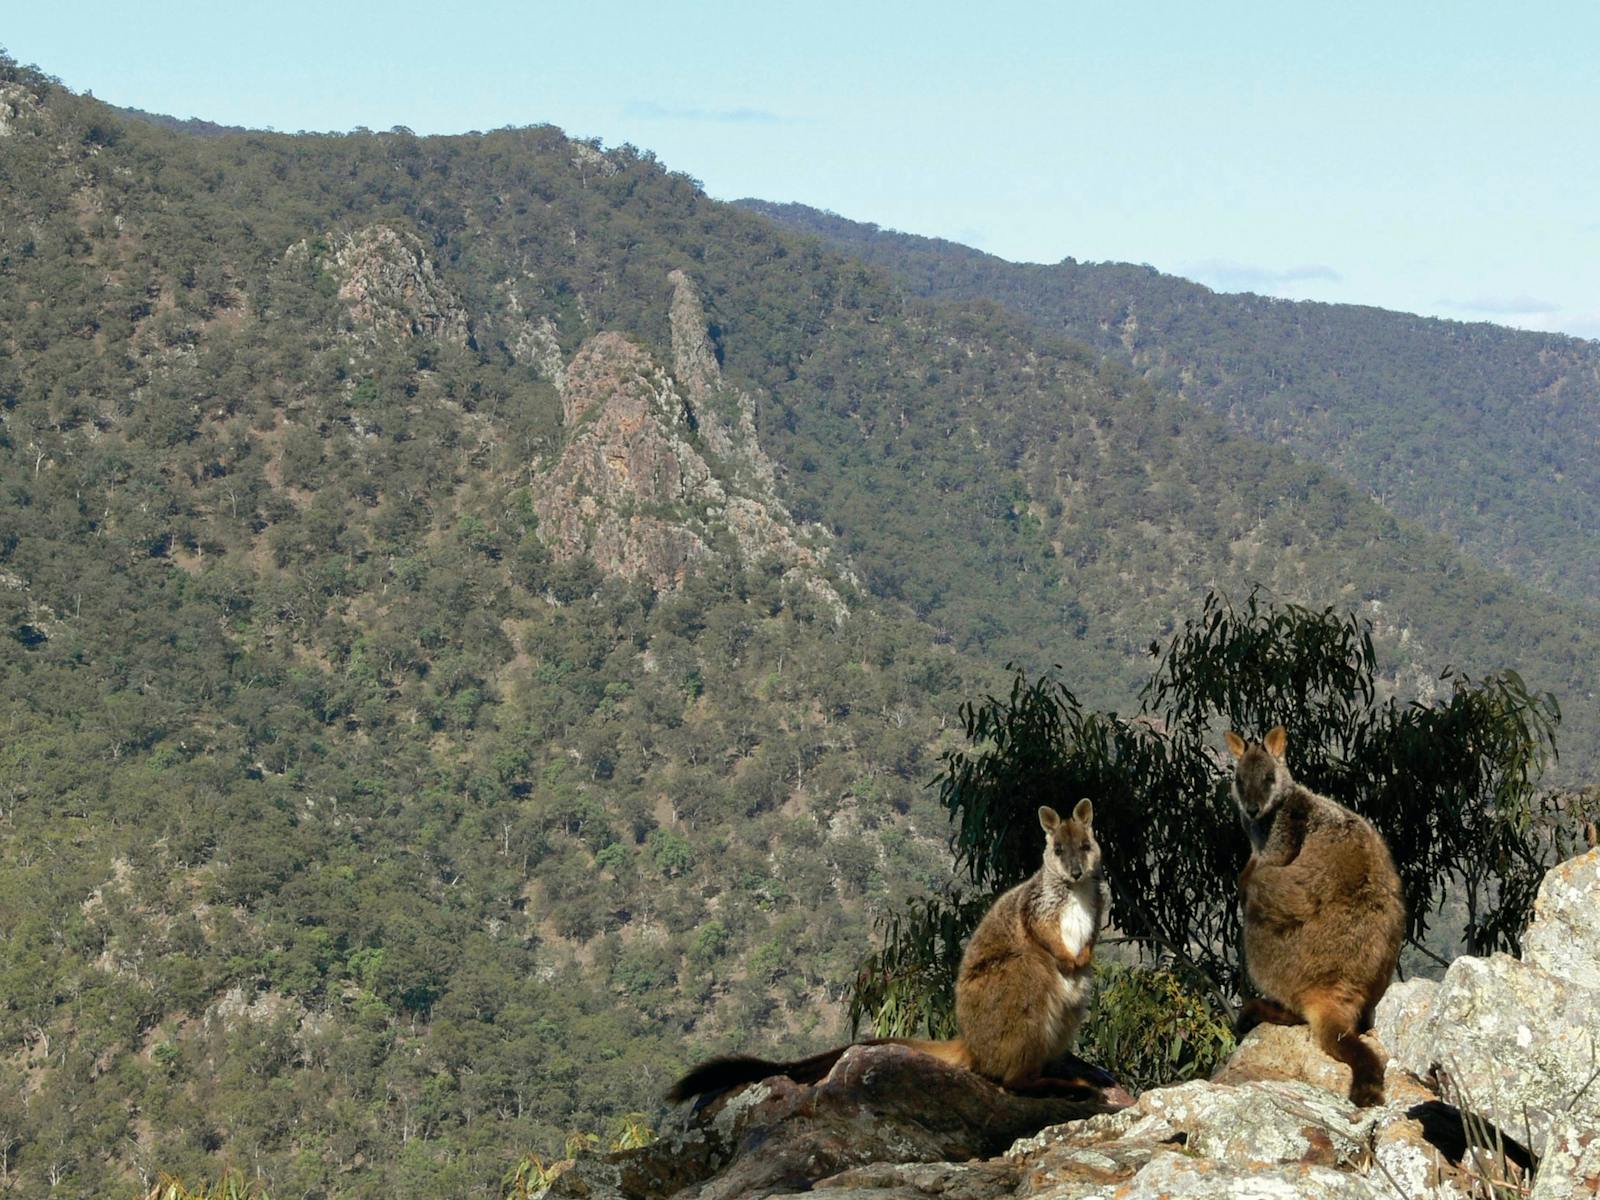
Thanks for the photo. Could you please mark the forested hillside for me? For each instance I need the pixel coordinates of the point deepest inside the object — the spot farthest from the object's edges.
(1482, 433)
(480, 616)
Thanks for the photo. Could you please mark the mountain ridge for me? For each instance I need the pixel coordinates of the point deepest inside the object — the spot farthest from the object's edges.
(1481, 432)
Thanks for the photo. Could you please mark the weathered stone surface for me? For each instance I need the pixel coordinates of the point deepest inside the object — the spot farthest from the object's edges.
(535, 344)
(1504, 1039)
(1570, 1169)
(531, 339)
(1283, 1052)
(1270, 1122)
(1404, 1006)
(628, 483)
(17, 104)
(982, 1180)
(1290, 1052)
(1518, 1042)
(694, 359)
(1564, 938)
(880, 1104)
(1261, 1138)
(390, 286)
(1173, 1175)
(727, 422)
(634, 487)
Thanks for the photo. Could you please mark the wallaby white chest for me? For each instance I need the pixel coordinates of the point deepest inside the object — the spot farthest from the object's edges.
(1077, 920)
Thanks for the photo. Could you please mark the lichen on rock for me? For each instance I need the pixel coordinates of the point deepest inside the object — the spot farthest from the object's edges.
(1515, 1040)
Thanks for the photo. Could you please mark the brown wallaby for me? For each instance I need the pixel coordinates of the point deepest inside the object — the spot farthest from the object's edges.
(1022, 989)
(1323, 911)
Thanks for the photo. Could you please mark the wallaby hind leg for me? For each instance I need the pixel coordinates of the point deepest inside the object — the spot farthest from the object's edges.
(1264, 1012)
(1333, 1024)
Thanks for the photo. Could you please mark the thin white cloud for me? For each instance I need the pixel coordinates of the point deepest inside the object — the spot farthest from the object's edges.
(649, 110)
(1229, 276)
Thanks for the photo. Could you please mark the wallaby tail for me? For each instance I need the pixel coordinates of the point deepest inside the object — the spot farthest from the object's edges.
(718, 1075)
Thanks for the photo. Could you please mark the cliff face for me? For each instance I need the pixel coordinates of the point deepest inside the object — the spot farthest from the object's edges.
(661, 469)
(629, 489)
(1499, 1052)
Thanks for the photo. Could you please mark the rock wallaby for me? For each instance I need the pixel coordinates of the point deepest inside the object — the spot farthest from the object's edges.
(1323, 911)
(1023, 986)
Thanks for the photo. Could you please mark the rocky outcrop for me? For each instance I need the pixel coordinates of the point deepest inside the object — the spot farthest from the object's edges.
(1516, 1040)
(1496, 1036)
(655, 474)
(879, 1104)
(694, 359)
(890, 1123)
(629, 489)
(17, 104)
(390, 285)
(530, 339)
(727, 422)
(534, 344)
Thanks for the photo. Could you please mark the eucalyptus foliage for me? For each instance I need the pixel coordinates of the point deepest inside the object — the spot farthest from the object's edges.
(1451, 783)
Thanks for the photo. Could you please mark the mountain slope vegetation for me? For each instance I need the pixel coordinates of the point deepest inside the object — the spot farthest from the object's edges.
(1484, 434)
(479, 617)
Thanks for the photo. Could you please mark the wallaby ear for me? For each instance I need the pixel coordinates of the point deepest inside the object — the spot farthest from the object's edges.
(1048, 818)
(1083, 814)
(1235, 744)
(1275, 741)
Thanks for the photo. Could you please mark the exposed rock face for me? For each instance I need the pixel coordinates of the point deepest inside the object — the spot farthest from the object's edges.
(16, 104)
(726, 417)
(890, 1124)
(1571, 1166)
(1277, 1138)
(879, 1104)
(629, 490)
(654, 477)
(1564, 938)
(389, 283)
(693, 357)
(531, 340)
(535, 344)
(1514, 1037)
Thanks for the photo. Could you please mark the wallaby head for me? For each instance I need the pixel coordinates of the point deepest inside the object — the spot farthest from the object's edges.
(1260, 778)
(1070, 851)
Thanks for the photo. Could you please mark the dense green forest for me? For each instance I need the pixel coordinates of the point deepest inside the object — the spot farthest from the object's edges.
(458, 670)
(1482, 433)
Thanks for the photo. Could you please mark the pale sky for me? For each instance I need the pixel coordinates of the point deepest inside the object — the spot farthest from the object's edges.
(1441, 158)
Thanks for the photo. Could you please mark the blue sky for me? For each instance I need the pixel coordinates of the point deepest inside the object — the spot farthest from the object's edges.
(1441, 158)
